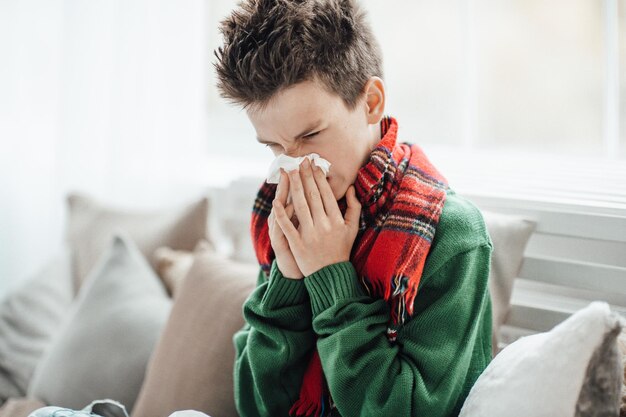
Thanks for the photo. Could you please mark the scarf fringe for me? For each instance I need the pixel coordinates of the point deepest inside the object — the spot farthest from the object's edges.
(399, 293)
(304, 407)
(310, 402)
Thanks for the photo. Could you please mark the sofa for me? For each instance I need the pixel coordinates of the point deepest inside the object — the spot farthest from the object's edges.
(141, 307)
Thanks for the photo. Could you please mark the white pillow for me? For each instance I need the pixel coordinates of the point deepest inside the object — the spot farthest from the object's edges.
(29, 316)
(105, 408)
(509, 235)
(91, 225)
(572, 370)
(104, 346)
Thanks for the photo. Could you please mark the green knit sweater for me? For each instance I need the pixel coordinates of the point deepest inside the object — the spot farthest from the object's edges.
(438, 356)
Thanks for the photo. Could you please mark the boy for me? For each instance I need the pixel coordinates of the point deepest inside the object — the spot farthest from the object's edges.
(372, 297)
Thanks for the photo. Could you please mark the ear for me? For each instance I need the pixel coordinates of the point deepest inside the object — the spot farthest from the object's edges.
(374, 100)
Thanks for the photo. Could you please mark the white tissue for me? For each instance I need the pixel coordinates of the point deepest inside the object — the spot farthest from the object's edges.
(289, 163)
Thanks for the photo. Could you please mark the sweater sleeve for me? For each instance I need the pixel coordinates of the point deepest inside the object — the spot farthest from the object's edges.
(439, 353)
(272, 347)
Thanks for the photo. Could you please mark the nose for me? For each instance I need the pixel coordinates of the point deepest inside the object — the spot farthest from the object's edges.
(293, 152)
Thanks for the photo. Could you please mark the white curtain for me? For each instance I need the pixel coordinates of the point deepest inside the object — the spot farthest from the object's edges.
(107, 97)
(118, 98)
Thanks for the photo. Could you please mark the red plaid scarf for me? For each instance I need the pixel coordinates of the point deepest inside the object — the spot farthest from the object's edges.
(402, 196)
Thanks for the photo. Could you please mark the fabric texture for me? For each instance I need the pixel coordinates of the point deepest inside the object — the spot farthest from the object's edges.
(20, 407)
(573, 370)
(91, 225)
(192, 365)
(425, 366)
(429, 371)
(97, 408)
(510, 235)
(104, 345)
(29, 316)
(621, 342)
(402, 195)
(172, 266)
(101, 408)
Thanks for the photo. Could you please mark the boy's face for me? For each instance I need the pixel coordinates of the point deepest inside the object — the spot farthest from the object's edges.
(306, 118)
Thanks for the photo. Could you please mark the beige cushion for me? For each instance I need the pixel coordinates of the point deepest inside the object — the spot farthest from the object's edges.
(91, 225)
(30, 315)
(509, 235)
(573, 370)
(192, 367)
(20, 407)
(173, 265)
(103, 348)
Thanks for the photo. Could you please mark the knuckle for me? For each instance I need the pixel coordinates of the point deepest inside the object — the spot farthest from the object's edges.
(301, 205)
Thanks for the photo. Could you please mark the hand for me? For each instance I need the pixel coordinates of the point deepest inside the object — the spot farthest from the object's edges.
(323, 236)
(284, 258)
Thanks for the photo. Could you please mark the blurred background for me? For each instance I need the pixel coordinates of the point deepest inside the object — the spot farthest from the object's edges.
(118, 99)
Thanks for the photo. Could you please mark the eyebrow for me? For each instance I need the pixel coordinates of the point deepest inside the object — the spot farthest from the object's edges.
(304, 132)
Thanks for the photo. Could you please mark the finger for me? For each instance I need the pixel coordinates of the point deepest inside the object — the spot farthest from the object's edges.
(311, 192)
(274, 231)
(299, 200)
(288, 229)
(290, 211)
(291, 214)
(271, 221)
(278, 233)
(353, 212)
(328, 198)
(283, 187)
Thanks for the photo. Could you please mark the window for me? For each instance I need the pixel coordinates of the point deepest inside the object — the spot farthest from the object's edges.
(621, 48)
(514, 76)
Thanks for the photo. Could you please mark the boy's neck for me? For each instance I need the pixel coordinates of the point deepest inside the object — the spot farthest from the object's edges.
(377, 136)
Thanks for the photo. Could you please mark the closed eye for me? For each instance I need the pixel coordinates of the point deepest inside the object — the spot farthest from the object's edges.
(310, 135)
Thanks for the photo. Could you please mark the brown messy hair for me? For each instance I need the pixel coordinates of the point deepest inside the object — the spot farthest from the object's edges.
(270, 45)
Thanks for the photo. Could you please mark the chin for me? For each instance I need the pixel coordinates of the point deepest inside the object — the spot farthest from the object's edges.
(339, 194)
(339, 190)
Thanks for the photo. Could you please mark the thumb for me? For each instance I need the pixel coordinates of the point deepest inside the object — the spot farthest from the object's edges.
(353, 212)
